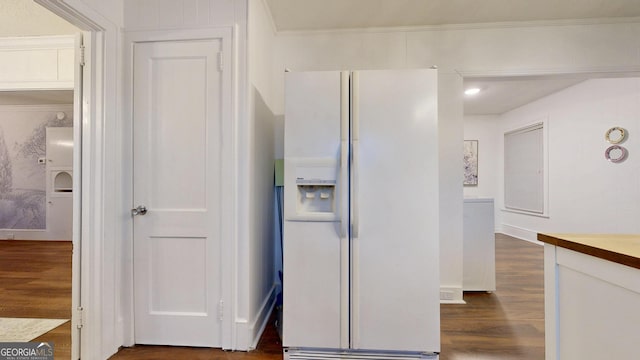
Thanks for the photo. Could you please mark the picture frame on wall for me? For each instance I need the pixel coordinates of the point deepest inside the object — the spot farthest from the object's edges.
(470, 163)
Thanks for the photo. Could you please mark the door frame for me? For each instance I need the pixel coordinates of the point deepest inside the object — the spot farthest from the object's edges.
(91, 270)
(228, 283)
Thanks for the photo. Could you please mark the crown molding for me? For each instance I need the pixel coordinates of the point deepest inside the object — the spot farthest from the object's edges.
(473, 26)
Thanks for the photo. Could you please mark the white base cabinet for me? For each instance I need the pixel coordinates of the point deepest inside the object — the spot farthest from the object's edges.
(591, 304)
(479, 250)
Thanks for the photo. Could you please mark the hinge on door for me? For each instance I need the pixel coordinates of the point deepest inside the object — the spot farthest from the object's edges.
(79, 315)
(220, 310)
(81, 55)
(220, 63)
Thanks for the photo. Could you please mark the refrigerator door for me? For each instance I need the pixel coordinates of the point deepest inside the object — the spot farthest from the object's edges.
(315, 248)
(394, 250)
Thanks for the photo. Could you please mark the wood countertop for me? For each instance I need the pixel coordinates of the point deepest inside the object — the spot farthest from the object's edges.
(621, 249)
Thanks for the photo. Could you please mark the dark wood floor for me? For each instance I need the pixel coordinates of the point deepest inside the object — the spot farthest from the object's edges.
(507, 324)
(35, 281)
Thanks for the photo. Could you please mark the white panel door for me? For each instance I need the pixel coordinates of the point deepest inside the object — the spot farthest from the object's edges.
(177, 116)
(395, 271)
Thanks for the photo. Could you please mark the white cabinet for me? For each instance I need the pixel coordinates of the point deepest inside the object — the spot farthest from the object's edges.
(479, 254)
(592, 296)
(59, 170)
(37, 63)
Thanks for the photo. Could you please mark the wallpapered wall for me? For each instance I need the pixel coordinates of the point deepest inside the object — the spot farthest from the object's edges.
(22, 178)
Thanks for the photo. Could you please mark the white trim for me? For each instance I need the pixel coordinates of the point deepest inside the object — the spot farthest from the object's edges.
(551, 319)
(550, 73)
(472, 26)
(272, 22)
(522, 212)
(37, 42)
(242, 172)
(92, 206)
(127, 165)
(35, 107)
(248, 335)
(134, 36)
(230, 248)
(228, 279)
(544, 124)
(100, 116)
(520, 233)
(241, 337)
(451, 295)
(76, 263)
(35, 85)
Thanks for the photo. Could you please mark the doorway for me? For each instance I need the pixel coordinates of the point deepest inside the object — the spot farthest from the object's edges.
(37, 117)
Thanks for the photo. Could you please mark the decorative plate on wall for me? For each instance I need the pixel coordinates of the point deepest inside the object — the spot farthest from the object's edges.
(615, 153)
(615, 135)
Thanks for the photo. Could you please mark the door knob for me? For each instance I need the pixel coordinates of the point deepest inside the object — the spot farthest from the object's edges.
(140, 210)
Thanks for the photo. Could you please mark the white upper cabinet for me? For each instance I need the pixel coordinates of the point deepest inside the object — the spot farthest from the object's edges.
(37, 63)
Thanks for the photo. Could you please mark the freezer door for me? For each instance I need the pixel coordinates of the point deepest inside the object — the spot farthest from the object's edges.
(315, 243)
(395, 252)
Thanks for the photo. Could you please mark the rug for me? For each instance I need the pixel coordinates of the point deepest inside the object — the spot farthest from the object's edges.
(23, 330)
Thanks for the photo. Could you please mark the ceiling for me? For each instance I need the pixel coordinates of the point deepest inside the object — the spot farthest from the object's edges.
(498, 95)
(26, 18)
(294, 15)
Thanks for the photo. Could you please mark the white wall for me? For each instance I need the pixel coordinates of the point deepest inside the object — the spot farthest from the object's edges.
(261, 118)
(28, 212)
(587, 194)
(470, 50)
(484, 128)
(450, 147)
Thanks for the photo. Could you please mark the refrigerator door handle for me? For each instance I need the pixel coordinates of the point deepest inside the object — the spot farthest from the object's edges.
(344, 153)
(344, 180)
(354, 190)
(355, 138)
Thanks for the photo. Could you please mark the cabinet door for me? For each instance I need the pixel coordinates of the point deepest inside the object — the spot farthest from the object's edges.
(479, 255)
(60, 147)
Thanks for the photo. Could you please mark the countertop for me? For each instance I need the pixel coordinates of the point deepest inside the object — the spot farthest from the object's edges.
(621, 249)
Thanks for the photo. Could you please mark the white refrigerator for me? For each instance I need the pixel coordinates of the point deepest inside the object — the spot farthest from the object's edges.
(361, 238)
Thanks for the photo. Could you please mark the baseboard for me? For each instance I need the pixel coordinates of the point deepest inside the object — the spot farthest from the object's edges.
(248, 334)
(520, 233)
(451, 295)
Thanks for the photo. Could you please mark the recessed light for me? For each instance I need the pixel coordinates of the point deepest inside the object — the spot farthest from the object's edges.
(472, 91)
